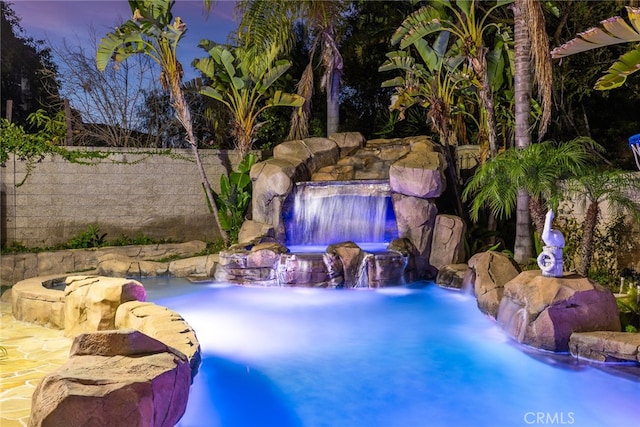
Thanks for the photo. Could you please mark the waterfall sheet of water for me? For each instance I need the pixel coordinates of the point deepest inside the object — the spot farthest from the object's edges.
(358, 211)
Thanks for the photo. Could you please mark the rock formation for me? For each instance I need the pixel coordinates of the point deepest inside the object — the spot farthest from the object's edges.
(490, 272)
(414, 168)
(91, 302)
(543, 312)
(114, 378)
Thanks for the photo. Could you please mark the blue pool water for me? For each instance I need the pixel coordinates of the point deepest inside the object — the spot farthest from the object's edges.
(407, 356)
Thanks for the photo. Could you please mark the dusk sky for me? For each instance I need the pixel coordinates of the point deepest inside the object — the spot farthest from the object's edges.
(71, 20)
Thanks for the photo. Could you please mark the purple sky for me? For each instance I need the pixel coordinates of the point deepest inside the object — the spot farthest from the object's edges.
(71, 20)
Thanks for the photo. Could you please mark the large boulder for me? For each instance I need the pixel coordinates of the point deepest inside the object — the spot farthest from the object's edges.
(447, 246)
(201, 266)
(253, 264)
(252, 230)
(422, 144)
(313, 153)
(543, 312)
(265, 254)
(403, 246)
(309, 270)
(324, 152)
(419, 174)
(334, 173)
(114, 378)
(293, 151)
(389, 150)
(162, 324)
(272, 181)
(348, 142)
(352, 258)
(452, 276)
(91, 302)
(386, 269)
(490, 272)
(415, 218)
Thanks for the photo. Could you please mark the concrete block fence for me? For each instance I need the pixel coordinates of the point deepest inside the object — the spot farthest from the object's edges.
(133, 192)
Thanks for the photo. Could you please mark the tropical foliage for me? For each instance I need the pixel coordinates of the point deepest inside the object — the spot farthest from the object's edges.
(457, 67)
(268, 24)
(235, 196)
(245, 84)
(470, 30)
(614, 30)
(537, 169)
(32, 147)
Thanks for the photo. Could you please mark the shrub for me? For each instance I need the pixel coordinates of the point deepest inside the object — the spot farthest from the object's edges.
(91, 238)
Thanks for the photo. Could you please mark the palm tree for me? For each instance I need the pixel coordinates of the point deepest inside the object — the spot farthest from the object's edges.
(531, 45)
(152, 31)
(597, 186)
(267, 23)
(537, 169)
(243, 83)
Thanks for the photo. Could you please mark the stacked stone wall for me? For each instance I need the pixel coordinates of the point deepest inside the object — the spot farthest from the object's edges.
(131, 193)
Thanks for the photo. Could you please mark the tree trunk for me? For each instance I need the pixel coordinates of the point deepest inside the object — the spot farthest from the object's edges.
(537, 213)
(333, 87)
(184, 117)
(454, 181)
(486, 99)
(9, 109)
(586, 243)
(523, 249)
(68, 122)
(333, 106)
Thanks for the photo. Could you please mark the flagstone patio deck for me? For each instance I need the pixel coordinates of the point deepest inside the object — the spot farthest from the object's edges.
(33, 352)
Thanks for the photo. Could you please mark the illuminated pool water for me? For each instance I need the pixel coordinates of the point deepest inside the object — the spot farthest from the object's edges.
(395, 357)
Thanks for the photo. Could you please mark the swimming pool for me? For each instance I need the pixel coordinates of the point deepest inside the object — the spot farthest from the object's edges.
(406, 356)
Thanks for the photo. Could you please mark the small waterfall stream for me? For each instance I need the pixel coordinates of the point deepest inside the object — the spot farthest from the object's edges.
(321, 213)
(316, 215)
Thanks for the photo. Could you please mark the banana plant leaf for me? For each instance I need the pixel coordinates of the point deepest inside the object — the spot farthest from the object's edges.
(611, 31)
(617, 74)
(283, 99)
(119, 46)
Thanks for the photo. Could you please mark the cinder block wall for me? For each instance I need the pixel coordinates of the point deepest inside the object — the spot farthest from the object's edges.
(133, 192)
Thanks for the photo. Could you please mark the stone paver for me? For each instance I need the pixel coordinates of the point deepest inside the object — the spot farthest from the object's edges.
(33, 352)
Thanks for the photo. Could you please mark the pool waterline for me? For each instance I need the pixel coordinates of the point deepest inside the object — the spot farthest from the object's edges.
(400, 356)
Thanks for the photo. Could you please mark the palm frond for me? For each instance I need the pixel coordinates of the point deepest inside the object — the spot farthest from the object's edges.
(299, 119)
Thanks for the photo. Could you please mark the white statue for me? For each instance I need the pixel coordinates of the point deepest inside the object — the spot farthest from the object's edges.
(550, 260)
